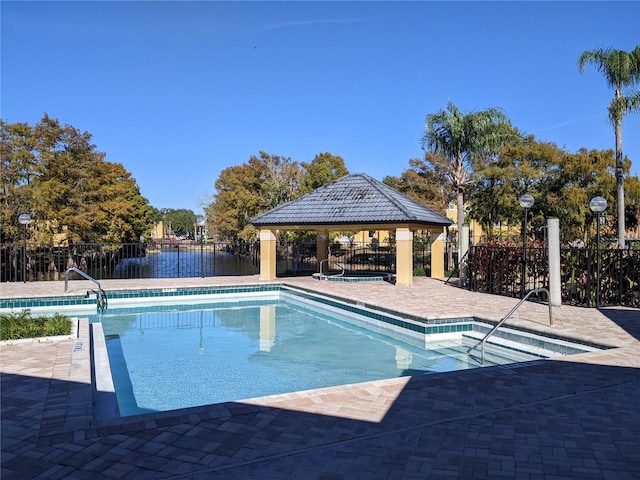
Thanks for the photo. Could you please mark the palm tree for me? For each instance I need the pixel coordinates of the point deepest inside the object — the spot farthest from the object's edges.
(459, 138)
(621, 69)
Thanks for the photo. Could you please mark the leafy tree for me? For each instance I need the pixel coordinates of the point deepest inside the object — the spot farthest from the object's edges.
(424, 181)
(323, 169)
(459, 138)
(246, 190)
(54, 173)
(500, 181)
(581, 176)
(237, 199)
(182, 220)
(262, 183)
(17, 168)
(621, 70)
(562, 184)
(281, 180)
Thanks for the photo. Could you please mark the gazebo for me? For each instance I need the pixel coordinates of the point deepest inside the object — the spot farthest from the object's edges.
(354, 202)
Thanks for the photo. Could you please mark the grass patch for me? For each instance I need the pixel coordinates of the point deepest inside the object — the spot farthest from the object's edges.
(14, 326)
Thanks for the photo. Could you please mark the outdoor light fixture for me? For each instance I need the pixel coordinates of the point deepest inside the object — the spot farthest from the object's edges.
(526, 202)
(200, 221)
(597, 206)
(24, 220)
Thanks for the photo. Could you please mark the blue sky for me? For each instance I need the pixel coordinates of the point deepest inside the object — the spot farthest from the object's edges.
(178, 91)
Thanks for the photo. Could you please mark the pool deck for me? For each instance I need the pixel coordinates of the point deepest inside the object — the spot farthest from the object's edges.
(571, 417)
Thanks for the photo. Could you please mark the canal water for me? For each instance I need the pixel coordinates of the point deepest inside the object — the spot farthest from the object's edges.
(176, 263)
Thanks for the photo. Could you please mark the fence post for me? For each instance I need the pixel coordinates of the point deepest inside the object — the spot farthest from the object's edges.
(555, 291)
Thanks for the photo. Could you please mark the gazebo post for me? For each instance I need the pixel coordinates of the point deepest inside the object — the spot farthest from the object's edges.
(437, 253)
(322, 247)
(267, 255)
(404, 256)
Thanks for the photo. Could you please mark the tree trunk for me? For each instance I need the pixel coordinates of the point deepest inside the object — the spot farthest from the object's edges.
(460, 205)
(620, 184)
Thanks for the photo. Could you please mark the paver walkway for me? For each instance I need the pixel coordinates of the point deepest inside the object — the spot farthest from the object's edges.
(577, 417)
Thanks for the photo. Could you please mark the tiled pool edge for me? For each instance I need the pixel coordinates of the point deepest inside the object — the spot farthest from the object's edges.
(434, 323)
(119, 294)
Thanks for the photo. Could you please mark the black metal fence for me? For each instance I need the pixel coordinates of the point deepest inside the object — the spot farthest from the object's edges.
(129, 260)
(491, 269)
(499, 270)
(354, 258)
(176, 259)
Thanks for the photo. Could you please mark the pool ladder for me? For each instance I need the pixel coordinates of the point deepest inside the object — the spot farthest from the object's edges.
(511, 312)
(322, 276)
(101, 295)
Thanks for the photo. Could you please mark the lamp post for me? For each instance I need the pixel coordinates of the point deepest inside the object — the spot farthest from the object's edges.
(526, 202)
(24, 220)
(598, 205)
(200, 221)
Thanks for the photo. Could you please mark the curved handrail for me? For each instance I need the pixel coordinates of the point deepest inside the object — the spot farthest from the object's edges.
(327, 261)
(80, 272)
(101, 300)
(511, 312)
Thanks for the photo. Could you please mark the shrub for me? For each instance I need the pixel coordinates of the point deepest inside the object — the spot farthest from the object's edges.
(419, 272)
(14, 326)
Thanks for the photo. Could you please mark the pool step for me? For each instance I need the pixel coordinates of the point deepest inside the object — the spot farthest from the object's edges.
(466, 354)
(498, 343)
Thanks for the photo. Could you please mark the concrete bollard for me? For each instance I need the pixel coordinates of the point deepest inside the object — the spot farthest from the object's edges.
(553, 244)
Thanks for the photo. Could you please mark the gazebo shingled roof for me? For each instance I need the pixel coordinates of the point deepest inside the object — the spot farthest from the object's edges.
(356, 199)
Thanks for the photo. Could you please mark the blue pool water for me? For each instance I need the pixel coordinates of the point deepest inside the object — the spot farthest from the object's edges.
(166, 357)
(171, 348)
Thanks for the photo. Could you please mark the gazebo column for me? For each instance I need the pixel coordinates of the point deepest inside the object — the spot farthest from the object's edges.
(267, 255)
(322, 248)
(404, 256)
(437, 253)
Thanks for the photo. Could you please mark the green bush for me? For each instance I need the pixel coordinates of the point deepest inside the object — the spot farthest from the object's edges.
(419, 272)
(14, 326)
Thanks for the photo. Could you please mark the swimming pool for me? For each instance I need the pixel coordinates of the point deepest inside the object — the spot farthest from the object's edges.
(178, 347)
(180, 351)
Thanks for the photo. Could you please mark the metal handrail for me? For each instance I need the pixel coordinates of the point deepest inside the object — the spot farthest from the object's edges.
(80, 272)
(101, 300)
(511, 312)
(338, 264)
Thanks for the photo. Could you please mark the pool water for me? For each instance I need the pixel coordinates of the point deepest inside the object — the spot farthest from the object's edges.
(175, 356)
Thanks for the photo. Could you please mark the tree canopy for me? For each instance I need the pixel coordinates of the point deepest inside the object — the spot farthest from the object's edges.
(323, 169)
(54, 173)
(181, 220)
(262, 183)
(562, 184)
(425, 181)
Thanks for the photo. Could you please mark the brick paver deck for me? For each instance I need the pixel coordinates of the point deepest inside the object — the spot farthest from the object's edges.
(575, 417)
